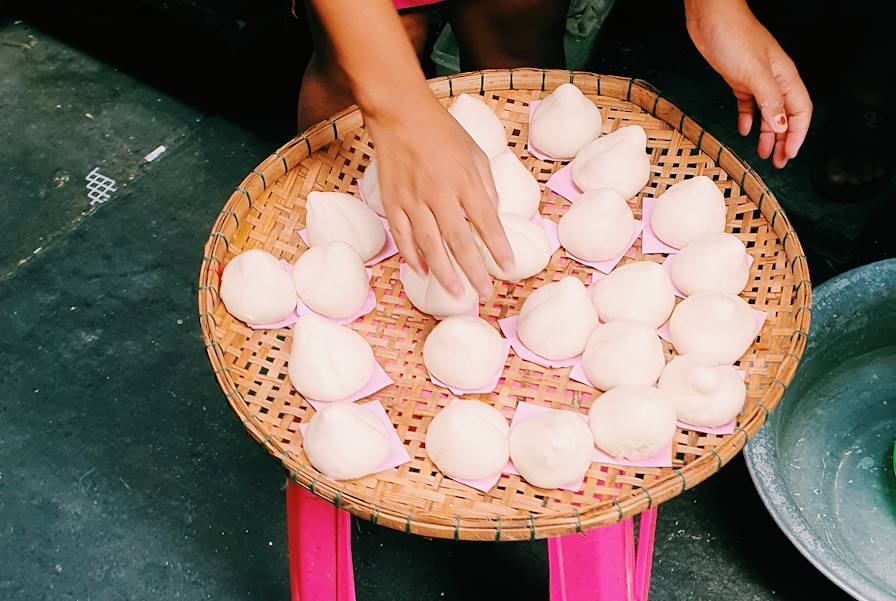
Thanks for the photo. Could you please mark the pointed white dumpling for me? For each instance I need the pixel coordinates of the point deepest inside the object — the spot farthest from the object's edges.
(564, 122)
(623, 353)
(633, 423)
(346, 441)
(598, 226)
(617, 160)
(331, 279)
(256, 289)
(557, 319)
(640, 291)
(702, 393)
(429, 296)
(687, 210)
(551, 449)
(711, 262)
(518, 190)
(529, 243)
(481, 123)
(328, 362)
(720, 327)
(464, 351)
(468, 440)
(339, 216)
(370, 189)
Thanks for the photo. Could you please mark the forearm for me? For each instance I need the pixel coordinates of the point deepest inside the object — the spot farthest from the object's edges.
(373, 49)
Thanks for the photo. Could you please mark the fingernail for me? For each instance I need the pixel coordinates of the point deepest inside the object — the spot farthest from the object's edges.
(779, 123)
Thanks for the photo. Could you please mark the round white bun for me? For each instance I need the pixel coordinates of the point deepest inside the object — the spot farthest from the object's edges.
(330, 279)
(337, 216)
(370, 189)
(632, 423)
(551, 449)
(468, 440)
(623, 353)
(640, 291)
(518, 190)
(529, 243)
(718, 326)
(429, 296)
(617, 160)
(714, 262)
(598, 226)
(254, 288)
(703, 394)
(346, 441)
(557, 320)
(564, 122)
(464, 352)
(687, 210)
(481, 123)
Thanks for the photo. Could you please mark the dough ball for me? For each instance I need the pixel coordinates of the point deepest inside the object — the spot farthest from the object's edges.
(483, 125)
(336, 216)
(370, 188)
(530, 245)
(617, 160)
(564, 122)
(715, 262)
(719, 326)
(518, 190)
(598, 226)
(557, 319)
(464, 352)
(331, 279)
(632, 422)
(688, 209)
(328, 362)
(640, 291)
(256, 289)
(345, 441)
(623, 353)
(468, 440)
(702, 393)
(551, 449)
(428, 295)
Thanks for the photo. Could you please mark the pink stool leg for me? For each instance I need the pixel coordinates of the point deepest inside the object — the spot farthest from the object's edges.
(320, 548)
(644, 561)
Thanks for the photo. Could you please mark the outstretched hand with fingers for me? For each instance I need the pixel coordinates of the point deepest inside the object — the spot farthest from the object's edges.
(759, 72)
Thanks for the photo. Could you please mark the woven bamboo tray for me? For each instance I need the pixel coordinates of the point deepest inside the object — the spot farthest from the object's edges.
(267, 211)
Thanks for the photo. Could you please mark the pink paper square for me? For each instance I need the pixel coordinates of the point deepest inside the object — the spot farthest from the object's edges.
(550, 230)
(650, 244)
(389, 247)
(608, 265)
(667, 266)
(578, 374)
(474, 310)
(530, 147)
(489, 386)
(379, 380)
(398, 454)
(561, 183)
(508, 326)
(758, 316)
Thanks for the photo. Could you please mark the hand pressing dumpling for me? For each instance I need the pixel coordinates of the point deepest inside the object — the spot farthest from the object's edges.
(330, 279)
(256, 289)
(687, 210)
(702, 393)
(429, 296)
(468, 440)
(464, 352)
(598, 226)
(632, 423)
(518, 190)
(640, 291)
(714, 262)
(328, 362)
(564, 122)
(623, 353)
(551, 449)
(557, 319)
(529, 243)
(481, 123)
(719, 327)
(617, 160)
(346, 441)
(337, 216)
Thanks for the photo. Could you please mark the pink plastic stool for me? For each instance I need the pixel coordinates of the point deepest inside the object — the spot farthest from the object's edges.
(599, 565)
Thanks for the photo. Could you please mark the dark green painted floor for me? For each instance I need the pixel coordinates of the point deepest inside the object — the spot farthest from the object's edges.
(123, 473)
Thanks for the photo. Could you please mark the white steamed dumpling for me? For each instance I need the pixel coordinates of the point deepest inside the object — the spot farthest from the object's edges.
(623, 353)
(702, 393)
(551, 449)
(328, 362)
(617, 160)
(718, 326)
(464, 351)
(640, 291)
(529, 243)
(712, 262)
(346, 441)
(632, 422)
(429, 296)
(687, 210)
(598, 226)
(481, 123)
(339, 216)
(564, 122)
(370, 189)
(518, 190)
(468, 440)
(256, 289)
(557, 319)
(330, 279)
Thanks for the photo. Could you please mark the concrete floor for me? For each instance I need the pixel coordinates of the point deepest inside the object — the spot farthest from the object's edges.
(123, 473)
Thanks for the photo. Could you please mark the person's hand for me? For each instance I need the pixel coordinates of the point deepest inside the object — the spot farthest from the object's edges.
(759, 72)
(433, 177)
